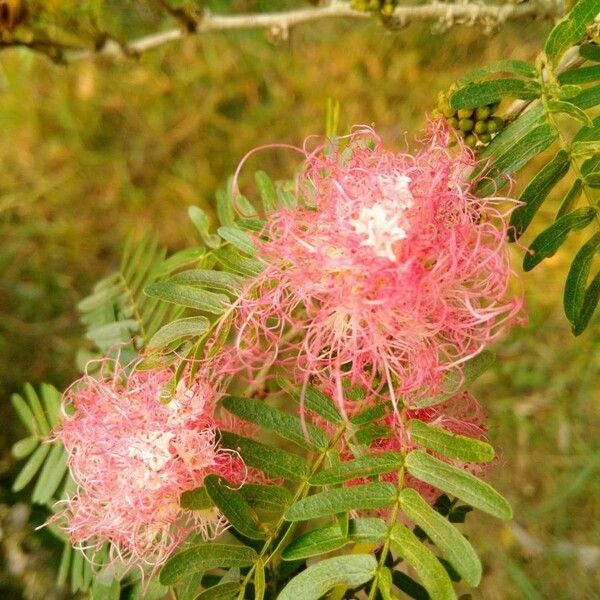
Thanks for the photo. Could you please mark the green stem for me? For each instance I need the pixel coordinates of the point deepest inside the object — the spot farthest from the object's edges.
(388, 538)
(266, 554)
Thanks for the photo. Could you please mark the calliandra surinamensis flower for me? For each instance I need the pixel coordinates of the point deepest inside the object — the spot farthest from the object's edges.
(389, 274)
(132, 455)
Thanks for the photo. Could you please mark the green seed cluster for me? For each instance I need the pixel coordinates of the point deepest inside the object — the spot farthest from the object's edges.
(383, 7)
(474, 125)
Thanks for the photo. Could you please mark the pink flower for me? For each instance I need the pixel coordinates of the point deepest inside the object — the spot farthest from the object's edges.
(132, 455)
(390, 272)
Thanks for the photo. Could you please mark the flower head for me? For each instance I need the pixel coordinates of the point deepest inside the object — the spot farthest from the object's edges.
(390, 271)
(131, 456)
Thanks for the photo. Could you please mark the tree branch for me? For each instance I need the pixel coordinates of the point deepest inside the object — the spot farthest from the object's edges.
(444, 15)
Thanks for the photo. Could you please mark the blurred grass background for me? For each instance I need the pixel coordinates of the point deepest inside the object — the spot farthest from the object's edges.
(103, 148)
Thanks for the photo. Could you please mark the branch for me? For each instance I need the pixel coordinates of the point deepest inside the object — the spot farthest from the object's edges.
(443, 14)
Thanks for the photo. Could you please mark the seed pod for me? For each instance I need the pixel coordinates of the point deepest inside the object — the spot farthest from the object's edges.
(482, 113)
(485, 138)
(453, 122)
(495, 124)
(471, 141)
(466, 124)
(465, 113)
(480, 127)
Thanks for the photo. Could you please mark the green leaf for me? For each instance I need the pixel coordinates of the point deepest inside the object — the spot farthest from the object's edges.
(319, 403)
(112, 333)
(590, 303)
(65, 563)
(219, 280)
(43, 427)
(51, 399)
(456, 381)
(259, 580)
(563, 107)
(590, 52)
(448, 444)
(24, 413)
(31, 467)
(454, 546)
(266, 190)
(196, 499)
(518, 67)
(575, 286)
(581, 75)
(234, 506)
(221, 591)
(183, 258)
(225, 210)
(285, 425)
(536, 192)
(25, 447)
(270, 498)
(515, 156)
(203, 558)
(364, 466)
(367, 416)
(202, 223)
(547, 242)
(190, 327)
(51, 475)
(458, 483)
(190, 587)
(331, 502)
(101, 591)
(384, 584)
(190, 296)
(238, 239)
(434, 577)
(588, 98)
(329, 538)
(235, 263)
(273, 461)
(569, 30)
(315, 581)
(488, 92)
(570, 199)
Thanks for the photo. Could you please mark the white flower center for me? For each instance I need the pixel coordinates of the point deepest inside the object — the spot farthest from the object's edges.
(385, 223)
(152, 449)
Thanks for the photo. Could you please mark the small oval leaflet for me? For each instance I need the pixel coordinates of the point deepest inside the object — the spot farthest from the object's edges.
(314, 582)
(204, 557)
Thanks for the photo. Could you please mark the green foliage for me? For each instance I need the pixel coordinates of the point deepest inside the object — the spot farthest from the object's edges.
(558, 87)
(39, 413)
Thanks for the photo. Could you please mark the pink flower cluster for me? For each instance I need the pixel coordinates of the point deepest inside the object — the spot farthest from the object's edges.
(388, 275)
(131, 455)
